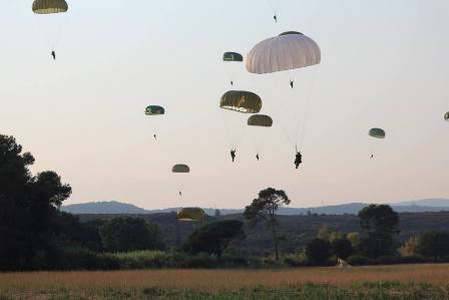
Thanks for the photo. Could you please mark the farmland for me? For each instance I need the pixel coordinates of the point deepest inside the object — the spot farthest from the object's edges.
(381, 282)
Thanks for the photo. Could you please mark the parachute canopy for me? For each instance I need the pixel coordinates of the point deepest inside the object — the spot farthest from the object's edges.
(241, 101)
(191, 214)
(49, 6)
(152, 110)
(377, 133)
(232, 56)
(446, 116)
(290, 50)
(181, 168)
(260, 120)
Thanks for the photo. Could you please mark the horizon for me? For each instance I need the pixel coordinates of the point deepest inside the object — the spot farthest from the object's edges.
(396, 203)
(83, 115)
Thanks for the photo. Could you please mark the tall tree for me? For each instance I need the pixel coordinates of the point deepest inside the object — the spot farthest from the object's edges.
(214, 238)
(434, 244)
(380, 226)
(129, 234)
(29, 204)
(264, 208)
(318, 251)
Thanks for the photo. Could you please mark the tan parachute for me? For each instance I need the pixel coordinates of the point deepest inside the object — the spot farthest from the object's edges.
(241, 101)
(50, 6)
(191, 214)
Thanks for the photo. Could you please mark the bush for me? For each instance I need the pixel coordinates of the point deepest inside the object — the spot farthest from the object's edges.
(318, 251)
(358, 260)
(143, 259)
(388, 260)
(433, 244)
(84, 259)
(129, 234)
(342, 248)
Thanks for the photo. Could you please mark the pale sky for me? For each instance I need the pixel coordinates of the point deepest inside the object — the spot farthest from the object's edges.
(384, 64)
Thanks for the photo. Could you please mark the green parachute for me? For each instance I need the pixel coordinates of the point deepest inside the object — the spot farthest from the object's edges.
(260, 120)
(232, 57)
(191, 214)
(154, 110)
(241, 101)
(181, 168)
(377, 133)
(49, 6)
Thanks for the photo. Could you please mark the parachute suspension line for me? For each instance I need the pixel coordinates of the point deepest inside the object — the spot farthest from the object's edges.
(282, 107)
(228, 129)
(61, 22)
(307, 107)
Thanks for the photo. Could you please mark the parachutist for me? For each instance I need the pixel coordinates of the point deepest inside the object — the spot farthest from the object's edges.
(155, 137)
(233, 154)
(298, 159)
(275, 18)
(53, 54)
(257, 156)
(232, 82)
(180, 194)
(372, 156)
(292, 84)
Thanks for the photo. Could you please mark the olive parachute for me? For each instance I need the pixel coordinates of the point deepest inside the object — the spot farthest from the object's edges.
(154, 110)
(191, 214)
(446, 116)
(241, 101)
(181, 168)
(377, 133)
(49, 6)
(290, 50)
(260, 120)
(232, 57)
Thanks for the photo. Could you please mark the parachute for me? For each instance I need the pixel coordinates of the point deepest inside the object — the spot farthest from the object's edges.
(154, 110)
(181, 168)
(258, 124)
(241, 101)
(260, 120)
(191, 214)
(53, 33)
(232, 69)
(232, 57)
(446, 116)
(377, 133)
(290, 50)
(49, 6)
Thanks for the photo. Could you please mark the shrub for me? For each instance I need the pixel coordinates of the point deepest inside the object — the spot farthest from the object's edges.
(143, 259)
(318, 251)
(342, 248)
(129, 234)
(358, 260)
(434, 244)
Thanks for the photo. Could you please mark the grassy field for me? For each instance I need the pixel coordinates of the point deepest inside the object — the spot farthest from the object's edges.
(389, 282)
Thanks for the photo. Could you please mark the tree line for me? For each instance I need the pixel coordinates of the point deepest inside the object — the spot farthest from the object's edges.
(36, 234)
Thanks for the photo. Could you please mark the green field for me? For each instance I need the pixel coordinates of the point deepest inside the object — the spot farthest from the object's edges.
(385, 282)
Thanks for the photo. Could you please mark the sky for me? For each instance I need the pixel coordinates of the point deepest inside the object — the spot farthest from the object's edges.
(384, 64)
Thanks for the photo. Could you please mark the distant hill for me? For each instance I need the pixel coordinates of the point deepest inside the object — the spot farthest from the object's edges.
(426, 202)
(114, 207)
(106, 207)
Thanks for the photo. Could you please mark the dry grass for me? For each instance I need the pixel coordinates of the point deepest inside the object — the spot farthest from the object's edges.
(219, 280)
